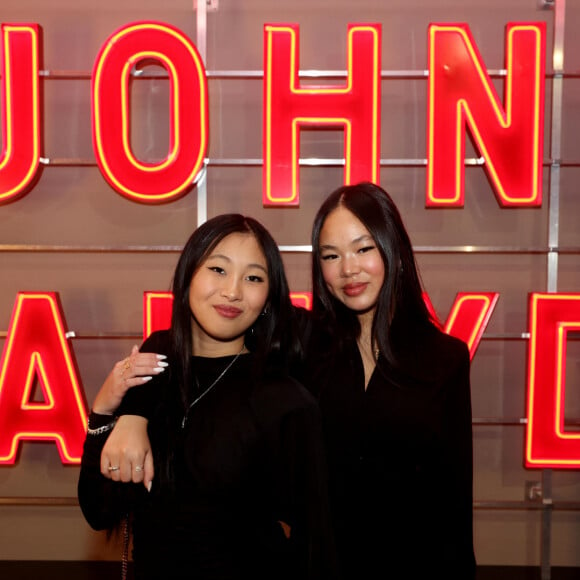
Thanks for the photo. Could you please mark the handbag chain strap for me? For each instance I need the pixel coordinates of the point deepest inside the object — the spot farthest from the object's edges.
(125, 559)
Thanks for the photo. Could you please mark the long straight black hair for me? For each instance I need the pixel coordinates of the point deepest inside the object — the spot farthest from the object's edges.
(400, 309)
(268, 338)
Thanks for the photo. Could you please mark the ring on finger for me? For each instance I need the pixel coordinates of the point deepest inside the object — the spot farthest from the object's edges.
(138, 468)
(125, 368)
(113, 468)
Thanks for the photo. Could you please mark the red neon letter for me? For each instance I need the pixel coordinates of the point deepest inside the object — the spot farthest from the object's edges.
(302, 299)
(157, 309)
(548, 445)
(468, 317)
(36, 348)
(355, 107)
(461, 92)
(140, 181)
(20, 110)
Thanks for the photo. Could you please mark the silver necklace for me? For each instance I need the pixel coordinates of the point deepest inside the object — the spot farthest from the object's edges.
(216, 381)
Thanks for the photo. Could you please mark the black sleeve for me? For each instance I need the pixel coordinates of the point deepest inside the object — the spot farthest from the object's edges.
(303, 324)
(103, 502)
(304, 479)
(459, 459)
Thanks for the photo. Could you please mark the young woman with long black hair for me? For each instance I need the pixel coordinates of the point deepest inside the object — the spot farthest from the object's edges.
(240, 486)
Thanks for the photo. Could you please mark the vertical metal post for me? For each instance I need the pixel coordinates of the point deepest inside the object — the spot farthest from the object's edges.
(553, 243)
(200, 7)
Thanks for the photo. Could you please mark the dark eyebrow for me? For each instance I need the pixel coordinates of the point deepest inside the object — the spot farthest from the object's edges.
(363, 238)
(227, 259)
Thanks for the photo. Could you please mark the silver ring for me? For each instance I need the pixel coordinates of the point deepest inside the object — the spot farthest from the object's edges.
(113, 468)
(138, 468)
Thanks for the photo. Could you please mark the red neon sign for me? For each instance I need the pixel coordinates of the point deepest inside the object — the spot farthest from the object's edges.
(469, 317)
(188, 109)
(36, 348)
(20, 109)
(157, 309)
(548, 444)
(302, 299)
(461, 93)
(289, 106)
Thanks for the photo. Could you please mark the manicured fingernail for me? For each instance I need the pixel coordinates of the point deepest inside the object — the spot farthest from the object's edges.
(158, 369)
(161, 357)
(145, 379)
(163, 364)
(149, 486)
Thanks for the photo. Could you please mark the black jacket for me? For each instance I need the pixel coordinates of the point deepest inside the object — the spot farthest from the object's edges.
(399, 457)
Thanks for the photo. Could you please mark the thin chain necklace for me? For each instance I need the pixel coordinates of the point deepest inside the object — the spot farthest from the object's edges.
(196, 400)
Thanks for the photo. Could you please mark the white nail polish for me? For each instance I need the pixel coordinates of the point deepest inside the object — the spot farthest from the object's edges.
(149, 485)
(161, 357)
(158, 369)
(145, 379)
(163, 364)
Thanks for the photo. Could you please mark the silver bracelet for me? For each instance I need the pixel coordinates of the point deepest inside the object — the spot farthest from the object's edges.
(103, 429)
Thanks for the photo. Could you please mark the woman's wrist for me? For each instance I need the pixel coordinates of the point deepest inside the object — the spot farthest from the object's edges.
(100, 423)
(105, 403)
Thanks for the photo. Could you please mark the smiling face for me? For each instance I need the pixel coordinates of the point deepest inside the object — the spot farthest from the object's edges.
(227, 294)
(351, 263)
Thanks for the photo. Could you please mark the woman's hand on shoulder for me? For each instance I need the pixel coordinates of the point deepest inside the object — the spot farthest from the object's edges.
(127, 454)
(137, 369)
